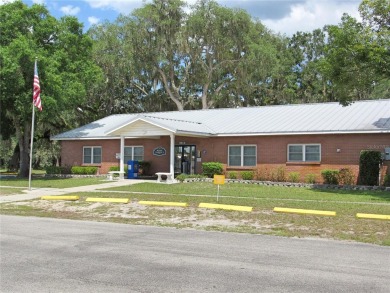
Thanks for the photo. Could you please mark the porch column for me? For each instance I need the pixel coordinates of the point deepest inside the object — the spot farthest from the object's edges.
(172, 157)
(122, 157)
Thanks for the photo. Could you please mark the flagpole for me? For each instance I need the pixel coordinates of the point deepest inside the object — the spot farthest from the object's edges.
(31, 146)
(32, 133)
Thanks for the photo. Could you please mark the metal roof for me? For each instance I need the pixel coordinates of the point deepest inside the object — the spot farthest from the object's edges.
(372, 116)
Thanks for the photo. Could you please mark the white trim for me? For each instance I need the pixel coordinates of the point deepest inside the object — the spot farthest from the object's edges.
(172, 154)
(194, 134)
(304, 145)
(300, 133)
(143, 120)
(92, 154)
(242, 154)
(122, 156)
(132, 153)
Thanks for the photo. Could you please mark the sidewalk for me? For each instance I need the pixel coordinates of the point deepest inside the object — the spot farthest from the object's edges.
(38, 192)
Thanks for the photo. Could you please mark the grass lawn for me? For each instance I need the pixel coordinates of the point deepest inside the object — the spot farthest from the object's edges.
(41, 182)
(345, 226)
(252, 191)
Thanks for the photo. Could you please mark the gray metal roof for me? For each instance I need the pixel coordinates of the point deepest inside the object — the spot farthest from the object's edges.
(371, 116)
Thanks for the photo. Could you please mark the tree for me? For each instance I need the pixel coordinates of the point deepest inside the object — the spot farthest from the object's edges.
(202, 59)
(308, 50)
(357, 56)
(65, 70)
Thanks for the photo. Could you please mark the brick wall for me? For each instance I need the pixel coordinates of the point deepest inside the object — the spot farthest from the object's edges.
(271, 151)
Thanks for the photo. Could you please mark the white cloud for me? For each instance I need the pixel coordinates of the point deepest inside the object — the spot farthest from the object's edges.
(38, 1)
(93, 20)
(312, 15)
(2, 2)
(117, 5)
(284, 16)
(70, 10)
(123, 6)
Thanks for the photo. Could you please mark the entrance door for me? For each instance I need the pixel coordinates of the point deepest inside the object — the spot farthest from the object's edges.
(185, 159)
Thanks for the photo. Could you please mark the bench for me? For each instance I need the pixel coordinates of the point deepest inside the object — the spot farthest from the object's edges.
(170, 178)
(110, 175)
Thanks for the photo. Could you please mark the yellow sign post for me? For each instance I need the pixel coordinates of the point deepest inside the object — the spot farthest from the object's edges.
(219, 179)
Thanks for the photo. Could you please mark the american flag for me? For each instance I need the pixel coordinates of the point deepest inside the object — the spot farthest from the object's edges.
(37, 89)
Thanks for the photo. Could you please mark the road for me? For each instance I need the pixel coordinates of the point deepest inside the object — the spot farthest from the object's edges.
(54, 255)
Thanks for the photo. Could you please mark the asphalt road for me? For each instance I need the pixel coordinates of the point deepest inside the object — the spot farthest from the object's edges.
(53, 255)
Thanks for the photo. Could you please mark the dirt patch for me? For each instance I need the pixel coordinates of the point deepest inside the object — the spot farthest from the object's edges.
(261, 221)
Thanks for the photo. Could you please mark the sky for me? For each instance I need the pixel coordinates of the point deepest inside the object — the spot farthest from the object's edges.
(281, 16)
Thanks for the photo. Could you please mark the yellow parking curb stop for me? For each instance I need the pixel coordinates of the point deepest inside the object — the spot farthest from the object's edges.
(60, 197)
(103, 199)
(302, 211)
(225, 207)
(373, 216)
(163, 203)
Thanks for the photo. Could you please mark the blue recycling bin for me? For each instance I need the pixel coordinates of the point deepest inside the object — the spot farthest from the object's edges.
(132, 169)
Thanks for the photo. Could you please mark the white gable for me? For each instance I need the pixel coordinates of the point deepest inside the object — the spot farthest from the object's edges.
(140, 128)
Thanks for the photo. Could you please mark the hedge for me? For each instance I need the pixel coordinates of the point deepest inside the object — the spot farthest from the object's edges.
(57, 170)
(81, 170)
(212, 168)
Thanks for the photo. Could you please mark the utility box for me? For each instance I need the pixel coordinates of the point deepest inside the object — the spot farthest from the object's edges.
(387, 154)
(132, 169)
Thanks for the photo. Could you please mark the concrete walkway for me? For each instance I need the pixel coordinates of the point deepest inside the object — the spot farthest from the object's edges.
(38, 192)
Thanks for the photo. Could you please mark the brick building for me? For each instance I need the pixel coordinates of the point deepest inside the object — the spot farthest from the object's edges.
(306, 138)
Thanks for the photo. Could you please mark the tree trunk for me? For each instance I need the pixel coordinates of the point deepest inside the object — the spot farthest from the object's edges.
(23, 136)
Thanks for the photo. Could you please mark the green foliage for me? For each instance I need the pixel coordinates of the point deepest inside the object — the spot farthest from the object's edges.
(369, 167)
(247, 175)
(145, 167)
(310, 178)
(117, 168)
(232, 175)
(294, 177)
(212, 168)
(65, 68)
(81, 170)
(330, 176)
(58, 170)
(346, 176)
(386, 180)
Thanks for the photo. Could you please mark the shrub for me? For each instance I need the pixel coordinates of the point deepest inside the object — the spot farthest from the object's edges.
(247, 175)
(232, 175)
(294, 177)
(369, 167)
(346, 176)
(81, 170)
(278, 175)
(310, 178)
(117, 168)
(144, 166)
(262, 174)
(212, 168)
(57, 170)
(386, 180)
(181, 177)
(330, 176)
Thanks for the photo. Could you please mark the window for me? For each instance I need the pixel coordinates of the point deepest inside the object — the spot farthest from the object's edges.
(92, 155)
(242, 155)
(304, 153)
(134, 153)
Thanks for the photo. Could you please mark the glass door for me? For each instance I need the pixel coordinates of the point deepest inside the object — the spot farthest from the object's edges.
(185, 158)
